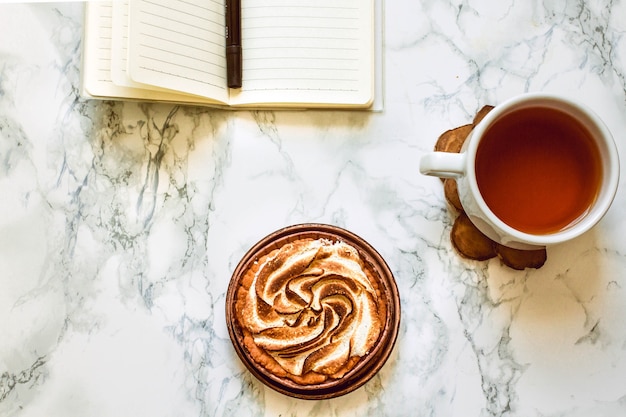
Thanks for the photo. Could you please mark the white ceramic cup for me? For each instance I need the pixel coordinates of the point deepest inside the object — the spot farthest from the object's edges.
(461, 166)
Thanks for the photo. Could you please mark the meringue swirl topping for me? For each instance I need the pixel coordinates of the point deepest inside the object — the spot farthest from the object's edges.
(310, 310)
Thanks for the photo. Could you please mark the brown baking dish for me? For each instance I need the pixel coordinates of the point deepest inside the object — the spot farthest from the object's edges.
(387, 296)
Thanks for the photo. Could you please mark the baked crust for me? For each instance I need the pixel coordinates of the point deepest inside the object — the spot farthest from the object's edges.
(310, 310)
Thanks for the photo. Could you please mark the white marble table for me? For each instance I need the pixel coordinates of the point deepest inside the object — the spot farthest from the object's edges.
(120, 225)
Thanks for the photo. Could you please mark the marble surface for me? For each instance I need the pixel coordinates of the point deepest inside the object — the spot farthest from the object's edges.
(120, 224)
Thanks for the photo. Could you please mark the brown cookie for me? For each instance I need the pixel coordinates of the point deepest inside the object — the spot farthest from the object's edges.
(470, 242)
(452, 140)
(481, 114)
(452, 193)
(521, 259)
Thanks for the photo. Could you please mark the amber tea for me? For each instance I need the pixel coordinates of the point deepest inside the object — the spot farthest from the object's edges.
(538, 169)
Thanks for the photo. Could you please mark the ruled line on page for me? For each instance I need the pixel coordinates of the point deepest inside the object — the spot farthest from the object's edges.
(180, 44)
(303, 45)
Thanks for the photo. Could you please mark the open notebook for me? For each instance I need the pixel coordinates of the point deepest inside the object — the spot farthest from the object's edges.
(296, 53)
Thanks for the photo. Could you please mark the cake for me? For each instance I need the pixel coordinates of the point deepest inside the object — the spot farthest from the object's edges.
(309, 311)
(310, 315)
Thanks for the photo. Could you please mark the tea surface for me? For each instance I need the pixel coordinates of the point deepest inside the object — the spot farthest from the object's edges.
(538, 170)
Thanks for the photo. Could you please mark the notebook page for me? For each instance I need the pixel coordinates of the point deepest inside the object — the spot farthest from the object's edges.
(97, 56)
(179, 45)
(307, 51)
(119, 49)
(97, 75)
(119, 44)
(96, 79)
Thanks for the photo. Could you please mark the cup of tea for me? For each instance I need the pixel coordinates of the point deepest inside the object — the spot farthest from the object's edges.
(537, 170)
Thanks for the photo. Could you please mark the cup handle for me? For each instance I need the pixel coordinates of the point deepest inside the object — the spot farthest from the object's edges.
(443, 164)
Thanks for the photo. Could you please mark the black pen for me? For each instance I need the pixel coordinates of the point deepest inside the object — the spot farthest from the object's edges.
(233, 43)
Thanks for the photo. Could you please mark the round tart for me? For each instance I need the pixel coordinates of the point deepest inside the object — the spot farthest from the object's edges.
(313, 311)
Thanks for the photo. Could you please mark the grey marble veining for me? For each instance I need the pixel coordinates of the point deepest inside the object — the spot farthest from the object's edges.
(121, 223)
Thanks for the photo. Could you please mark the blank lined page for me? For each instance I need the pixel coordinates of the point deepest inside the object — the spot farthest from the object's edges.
(307, 50)
(119, 44)
(179, 45)
(98, 57)
(98, 79)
